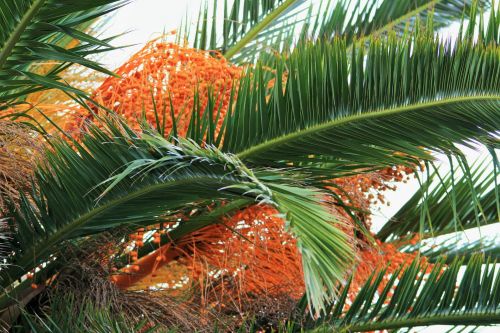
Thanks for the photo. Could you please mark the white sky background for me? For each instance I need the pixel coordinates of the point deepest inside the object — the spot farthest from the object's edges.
(148, 19)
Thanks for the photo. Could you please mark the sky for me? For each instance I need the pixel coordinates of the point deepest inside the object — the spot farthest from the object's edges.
(143, 20)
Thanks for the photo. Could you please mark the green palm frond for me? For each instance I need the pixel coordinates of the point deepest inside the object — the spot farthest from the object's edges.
(363, 20)
(324, 260)
(250, 27)
(31, 32)
(487, 31)
(116, 178)
(323, 246)
(243, 22)
(411, 297)
(352, 110)
(449, 203)
(457, 246)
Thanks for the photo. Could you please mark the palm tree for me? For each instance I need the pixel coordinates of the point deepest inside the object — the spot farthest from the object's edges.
(355, 89)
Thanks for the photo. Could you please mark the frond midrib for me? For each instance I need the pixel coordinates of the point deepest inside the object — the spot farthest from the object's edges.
(266, 145)
(436, 318)
(17, 32)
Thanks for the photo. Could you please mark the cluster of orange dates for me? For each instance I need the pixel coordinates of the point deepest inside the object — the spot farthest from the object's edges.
(169, 79)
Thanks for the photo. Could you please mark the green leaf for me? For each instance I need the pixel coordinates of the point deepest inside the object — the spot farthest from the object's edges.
(370, 19)
(117, 178)
(34, 31)
(449, 203)
(252, 27)
(324, 247)
(164, 179)
(67, 314)
(353, 111)
(457, 245)
(439, 297)
(242, 22)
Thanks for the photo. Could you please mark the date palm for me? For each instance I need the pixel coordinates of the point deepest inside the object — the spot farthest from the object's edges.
(357, 88)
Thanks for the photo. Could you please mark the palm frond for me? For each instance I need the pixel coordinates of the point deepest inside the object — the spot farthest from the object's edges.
(413, 297)
(445, 204)
(323, 246)
(31, 32)
(362, 21)
(457, 246)
(116, 178)
(352, 111)
(243, 22)
(251, 27)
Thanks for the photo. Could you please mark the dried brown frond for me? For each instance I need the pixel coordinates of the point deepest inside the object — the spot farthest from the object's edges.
(86, 277)
(20, 148)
